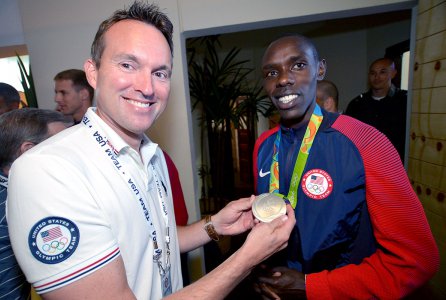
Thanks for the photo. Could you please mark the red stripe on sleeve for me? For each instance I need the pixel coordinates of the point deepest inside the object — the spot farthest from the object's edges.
(408, 256)
(259, 142)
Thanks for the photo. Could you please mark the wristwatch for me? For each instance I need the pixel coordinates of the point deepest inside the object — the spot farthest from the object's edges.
(210, 229)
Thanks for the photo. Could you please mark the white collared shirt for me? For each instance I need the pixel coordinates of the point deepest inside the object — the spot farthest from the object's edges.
(72, 179)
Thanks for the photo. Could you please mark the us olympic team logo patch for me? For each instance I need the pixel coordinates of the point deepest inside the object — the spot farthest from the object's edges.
(317, 184)
(53, 239)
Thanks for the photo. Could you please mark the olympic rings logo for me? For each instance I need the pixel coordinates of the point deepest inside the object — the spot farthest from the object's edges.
(55, 245)
(53, 239)
(317, 189)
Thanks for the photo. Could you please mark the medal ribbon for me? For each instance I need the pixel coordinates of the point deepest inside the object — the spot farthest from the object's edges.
(301, 161)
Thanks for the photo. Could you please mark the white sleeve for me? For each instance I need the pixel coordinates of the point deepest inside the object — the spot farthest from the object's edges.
(58, 231)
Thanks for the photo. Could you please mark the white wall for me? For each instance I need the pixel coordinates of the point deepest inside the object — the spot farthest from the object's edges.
(59, 33)
(11, 31)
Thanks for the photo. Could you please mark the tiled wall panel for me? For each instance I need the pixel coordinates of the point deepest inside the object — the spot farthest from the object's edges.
(427, 143)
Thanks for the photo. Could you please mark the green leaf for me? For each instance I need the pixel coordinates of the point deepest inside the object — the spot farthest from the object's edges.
(27, 83)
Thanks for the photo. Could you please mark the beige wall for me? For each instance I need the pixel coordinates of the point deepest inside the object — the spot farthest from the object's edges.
(427, 157)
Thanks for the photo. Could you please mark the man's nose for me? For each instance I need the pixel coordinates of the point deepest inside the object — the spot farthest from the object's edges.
(285, 79)
(144, 84)
(57, 97)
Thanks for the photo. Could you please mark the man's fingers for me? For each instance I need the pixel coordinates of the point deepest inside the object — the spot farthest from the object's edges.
(243, 204)
(247, 203)
(290, 211)
(289, 219)
(267, 291)
(268, 280)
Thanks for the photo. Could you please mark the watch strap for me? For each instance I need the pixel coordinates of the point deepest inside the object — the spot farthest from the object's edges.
(210, 229)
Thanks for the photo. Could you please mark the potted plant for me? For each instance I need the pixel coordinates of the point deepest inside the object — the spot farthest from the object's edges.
(220, 90)
(27, 83)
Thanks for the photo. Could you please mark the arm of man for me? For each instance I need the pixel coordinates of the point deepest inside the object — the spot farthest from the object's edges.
(60, 237)
(92, 286)
(234, 218)
(407, 256)
(264, 240)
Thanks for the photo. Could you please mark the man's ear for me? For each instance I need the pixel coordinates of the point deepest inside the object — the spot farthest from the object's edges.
(329, 104)
(91, 72)
(322, 68)
(25, 146)
(85, 96)
(393, 73)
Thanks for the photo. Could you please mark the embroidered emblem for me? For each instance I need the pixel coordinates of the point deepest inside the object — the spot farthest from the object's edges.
(53, 239)
(317, 184)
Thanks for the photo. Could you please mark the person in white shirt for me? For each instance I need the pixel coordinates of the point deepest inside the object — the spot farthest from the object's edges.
(96, 221)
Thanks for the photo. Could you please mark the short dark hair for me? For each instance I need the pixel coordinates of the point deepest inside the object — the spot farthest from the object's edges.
(307, 41)
(138, 11)
(79, 80)
(24, 125)
(329, 89)
(9, 93)
(388, 60)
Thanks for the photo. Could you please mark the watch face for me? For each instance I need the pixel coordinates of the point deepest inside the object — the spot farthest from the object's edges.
(267, 207)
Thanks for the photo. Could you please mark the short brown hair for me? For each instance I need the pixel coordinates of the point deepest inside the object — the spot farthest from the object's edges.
(138, 11)
(79, 80)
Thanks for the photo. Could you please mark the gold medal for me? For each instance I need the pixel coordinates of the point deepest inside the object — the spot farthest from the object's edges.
(267, 207)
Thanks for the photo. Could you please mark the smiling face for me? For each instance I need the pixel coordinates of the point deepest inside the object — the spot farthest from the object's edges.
(133, 81)
(290, 71)
(381, 73)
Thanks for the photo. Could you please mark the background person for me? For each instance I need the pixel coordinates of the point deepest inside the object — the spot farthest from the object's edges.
(109, 232)
(73, 94)
(20, 130)
(9, 98)
(356, 235)
(383, 106)
(327, 95)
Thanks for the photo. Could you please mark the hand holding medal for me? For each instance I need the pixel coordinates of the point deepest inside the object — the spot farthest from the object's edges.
(267, 207)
